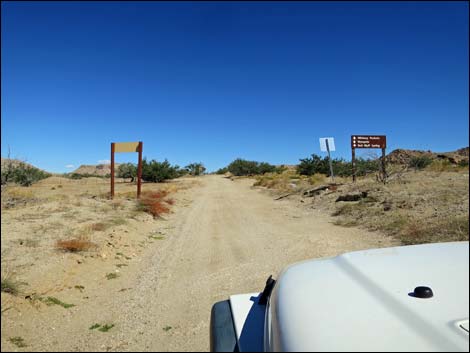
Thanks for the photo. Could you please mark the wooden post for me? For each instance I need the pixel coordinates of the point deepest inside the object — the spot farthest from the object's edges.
(112, 169)
(354, 164)
(383, 165)
(139, 170)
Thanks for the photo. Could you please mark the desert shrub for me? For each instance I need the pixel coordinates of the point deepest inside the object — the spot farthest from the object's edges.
(154, 203)
(222, 170)
(127, 170)
(22, 174)
(463, 163)
(317, 178)
(419, 162)
(441, 165)
(315, 164)
(364, 166)
(241, 167)
(319, 165)
(280, 169)
(74, 245)
(195, 168)
(9, 286)
(78, 176)
(264, 167)
(157, 172)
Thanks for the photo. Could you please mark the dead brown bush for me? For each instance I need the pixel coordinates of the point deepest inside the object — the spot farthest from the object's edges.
(75, 245)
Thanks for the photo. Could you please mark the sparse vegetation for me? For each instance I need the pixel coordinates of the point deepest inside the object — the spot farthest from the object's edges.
(106, 327)
(154, 203)
(342, 168)
(18, 341)
(21, 173)
(98, 227)
(167, 328)
(101, 328)
(9, 285)
(74, 245)
(442, 165)
(111, 275)
(54, 301)
(222, 170)
(419, 162)
(418, 208)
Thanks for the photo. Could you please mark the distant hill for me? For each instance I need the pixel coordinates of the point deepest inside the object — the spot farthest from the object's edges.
(98, 169)
(5, 162)
(403, 156)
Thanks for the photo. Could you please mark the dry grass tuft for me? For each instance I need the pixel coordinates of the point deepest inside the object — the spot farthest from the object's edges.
(75, 245)
(117, 204)
(98, 227)
(154, 203)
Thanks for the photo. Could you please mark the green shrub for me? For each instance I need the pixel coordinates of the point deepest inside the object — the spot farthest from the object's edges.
(127, 170)
(222, 170)
(315, 164)
(319, 165)
(78, 176)
(22, 174)
(419, 162)
(241, 167)
(157, 172)
(264, 167)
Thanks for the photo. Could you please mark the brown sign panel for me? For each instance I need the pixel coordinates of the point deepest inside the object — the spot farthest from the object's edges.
(368, 141)
(126, 146)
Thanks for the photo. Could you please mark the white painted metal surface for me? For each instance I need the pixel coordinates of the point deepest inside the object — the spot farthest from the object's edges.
(360, 301)
(331, 144)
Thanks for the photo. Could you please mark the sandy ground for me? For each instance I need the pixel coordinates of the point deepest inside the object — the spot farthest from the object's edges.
(223, 237)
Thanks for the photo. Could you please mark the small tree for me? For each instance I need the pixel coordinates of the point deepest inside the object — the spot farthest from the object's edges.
(127, 170)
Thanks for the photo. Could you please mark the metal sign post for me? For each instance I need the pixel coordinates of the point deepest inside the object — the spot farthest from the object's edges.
(329, 159)
(127, 147)
(368, 141)
(327, 144)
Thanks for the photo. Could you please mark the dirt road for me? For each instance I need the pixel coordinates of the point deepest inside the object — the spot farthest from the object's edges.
(223, 237)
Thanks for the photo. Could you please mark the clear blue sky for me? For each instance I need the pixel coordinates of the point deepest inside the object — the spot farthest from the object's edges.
(213, 81)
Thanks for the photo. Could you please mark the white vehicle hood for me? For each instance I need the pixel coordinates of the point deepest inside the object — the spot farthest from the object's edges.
(361, 301)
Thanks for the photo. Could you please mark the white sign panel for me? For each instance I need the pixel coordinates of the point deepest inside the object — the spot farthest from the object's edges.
(331, 144)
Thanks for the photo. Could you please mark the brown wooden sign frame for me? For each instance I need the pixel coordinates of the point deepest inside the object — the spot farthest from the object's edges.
(117, 147)
(368, 141)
